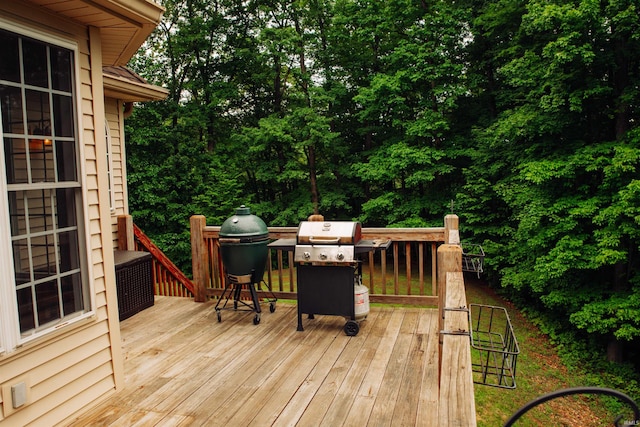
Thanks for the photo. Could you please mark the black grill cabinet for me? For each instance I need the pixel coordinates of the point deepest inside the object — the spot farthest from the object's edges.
(327, 289)
(134, 282)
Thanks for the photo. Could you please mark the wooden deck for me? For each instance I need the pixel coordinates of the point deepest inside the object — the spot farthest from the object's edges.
(183, 368)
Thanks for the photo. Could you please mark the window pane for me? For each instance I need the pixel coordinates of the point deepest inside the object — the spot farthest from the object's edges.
(40, 211)
(48, 302)
(17, 213)
(43, 256)
(34, 56)
(25, 309)
(21, 261)
(15, 155)
(66, 208)
(69, 254)
(42, 161)
(66, 158)
(72, 295)
(11, 105)
(61, 68)
(38, 113)
(63, 115)
(10, 64)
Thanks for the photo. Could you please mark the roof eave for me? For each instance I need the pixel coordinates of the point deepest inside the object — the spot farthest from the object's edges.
(128, 91)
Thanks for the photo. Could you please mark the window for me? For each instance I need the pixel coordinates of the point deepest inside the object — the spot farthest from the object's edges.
(41, 197)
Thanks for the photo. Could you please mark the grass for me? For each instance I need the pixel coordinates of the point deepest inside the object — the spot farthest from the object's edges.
(539, 371)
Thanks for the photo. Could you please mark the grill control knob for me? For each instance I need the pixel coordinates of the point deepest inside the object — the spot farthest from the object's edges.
(323, 256)
(307, 255)
(340, 256)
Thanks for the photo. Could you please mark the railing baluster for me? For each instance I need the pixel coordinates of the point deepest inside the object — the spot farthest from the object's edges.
(434, 274)
(280, 277)
(383, 268)
(421, 267)
(291, 272)
(396, 269)
(371, 272)
(407, 250)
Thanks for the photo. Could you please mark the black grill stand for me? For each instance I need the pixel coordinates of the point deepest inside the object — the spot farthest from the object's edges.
(328, 289)
(234, 284)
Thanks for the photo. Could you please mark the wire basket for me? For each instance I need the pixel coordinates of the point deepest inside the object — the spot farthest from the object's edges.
(472, 258)
(494, 347)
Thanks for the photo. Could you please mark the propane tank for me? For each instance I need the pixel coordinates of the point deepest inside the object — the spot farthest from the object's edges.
(361, 299)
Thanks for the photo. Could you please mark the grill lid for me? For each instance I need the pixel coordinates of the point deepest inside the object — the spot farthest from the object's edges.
(329, 233)
(244, 227)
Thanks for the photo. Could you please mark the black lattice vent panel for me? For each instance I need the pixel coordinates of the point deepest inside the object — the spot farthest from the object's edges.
(134, 282)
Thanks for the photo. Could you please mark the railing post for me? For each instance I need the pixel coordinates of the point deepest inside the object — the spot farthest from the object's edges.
(199, 256)
(451, 231)
(449, 261)
(125, 233)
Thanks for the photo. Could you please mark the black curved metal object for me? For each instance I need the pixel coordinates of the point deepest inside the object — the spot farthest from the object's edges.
(579, 390)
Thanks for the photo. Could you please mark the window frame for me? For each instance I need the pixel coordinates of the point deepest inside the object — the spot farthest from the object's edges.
(109, 147)
(10, 336)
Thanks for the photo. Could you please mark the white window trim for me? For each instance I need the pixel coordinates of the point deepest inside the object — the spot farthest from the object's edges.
(10, 336)
(112, 191)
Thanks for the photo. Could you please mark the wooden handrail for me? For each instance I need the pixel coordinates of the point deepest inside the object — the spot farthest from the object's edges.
(168, 279)
(456, 403)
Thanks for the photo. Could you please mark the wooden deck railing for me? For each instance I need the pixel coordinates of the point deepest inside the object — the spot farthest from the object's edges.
(398, 276)
(168, 279)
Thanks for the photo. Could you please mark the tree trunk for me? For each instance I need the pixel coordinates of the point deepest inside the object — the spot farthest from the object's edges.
(614, 350)
(313, 180)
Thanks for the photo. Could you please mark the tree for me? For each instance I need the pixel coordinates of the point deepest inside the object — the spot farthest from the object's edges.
(561, 156)
(406, 111)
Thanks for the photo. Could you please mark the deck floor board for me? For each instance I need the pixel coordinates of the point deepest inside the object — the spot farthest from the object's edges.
(184, 368)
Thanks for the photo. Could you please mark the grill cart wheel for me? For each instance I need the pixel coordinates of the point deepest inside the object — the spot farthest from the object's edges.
(351, 328)
(272, 307)
(256, 319)
(219, 316)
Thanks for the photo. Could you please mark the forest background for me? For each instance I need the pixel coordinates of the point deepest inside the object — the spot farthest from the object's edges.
(520, 115)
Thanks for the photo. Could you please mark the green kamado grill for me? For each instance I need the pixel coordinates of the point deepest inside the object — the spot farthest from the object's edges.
(243, 246)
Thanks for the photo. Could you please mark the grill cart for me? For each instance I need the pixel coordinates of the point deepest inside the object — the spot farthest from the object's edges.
(329, 272)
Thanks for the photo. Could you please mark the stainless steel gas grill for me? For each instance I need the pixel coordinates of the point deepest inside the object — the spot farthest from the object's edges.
(329, 271)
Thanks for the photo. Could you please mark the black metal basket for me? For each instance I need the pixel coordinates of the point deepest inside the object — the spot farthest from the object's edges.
(494, 347)
(472, 258)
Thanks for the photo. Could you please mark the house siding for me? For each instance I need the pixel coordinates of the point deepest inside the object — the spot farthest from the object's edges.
(114, 116)
(79, 364)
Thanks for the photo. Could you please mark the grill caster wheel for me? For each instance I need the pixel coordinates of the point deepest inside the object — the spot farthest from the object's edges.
(351, 328)
(272, 307)
(219, 316)
(256, 319)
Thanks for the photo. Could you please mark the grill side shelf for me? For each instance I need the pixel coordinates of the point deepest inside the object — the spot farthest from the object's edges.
(283, 244)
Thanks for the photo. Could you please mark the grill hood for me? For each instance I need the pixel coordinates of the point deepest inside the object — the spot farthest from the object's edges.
(329, 233)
